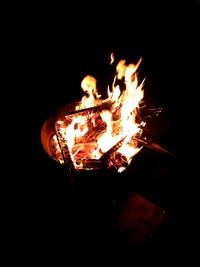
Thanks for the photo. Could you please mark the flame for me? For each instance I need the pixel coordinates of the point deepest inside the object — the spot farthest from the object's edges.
(129, 101)
(88, 85)
(82, 134)
(112, 58)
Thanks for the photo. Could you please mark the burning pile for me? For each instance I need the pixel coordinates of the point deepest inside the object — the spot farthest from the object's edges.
(102, 132)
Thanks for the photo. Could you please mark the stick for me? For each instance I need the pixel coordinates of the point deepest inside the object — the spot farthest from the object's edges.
(152, 146)
(65, 152)
(107, 154)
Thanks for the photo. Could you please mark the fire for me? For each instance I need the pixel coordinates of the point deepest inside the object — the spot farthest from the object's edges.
(112, 58)
(111, 127)
(88, 85)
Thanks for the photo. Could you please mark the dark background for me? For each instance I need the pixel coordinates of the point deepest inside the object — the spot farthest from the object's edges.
(54, 221)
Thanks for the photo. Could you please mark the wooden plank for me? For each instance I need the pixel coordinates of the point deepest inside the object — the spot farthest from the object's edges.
(139, 218)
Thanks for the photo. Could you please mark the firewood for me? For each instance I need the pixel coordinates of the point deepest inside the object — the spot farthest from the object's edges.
(114, 148)
(92, 164)
(64, 151)
(87, 111)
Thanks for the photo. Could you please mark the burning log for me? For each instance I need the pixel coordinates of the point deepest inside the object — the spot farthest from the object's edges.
(55, 149)
(83, 151)
(64, 150)
(90, 110)
(114, 158)
(94, 130)
(118, 161)
(114, 148)
(92, 164)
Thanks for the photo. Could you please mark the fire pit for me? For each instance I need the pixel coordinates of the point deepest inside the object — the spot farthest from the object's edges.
(97, 133)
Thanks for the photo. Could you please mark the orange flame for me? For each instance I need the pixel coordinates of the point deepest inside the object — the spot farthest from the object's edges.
(119, 121)
(112, 58)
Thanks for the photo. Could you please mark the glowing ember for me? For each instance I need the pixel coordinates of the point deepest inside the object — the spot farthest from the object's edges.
(104, 130)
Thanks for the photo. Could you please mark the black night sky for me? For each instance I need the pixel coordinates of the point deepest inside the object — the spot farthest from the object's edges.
(58, 222)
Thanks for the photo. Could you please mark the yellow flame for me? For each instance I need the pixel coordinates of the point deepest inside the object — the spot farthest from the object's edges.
(88, 85)
(112, 58)
(107, 140)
